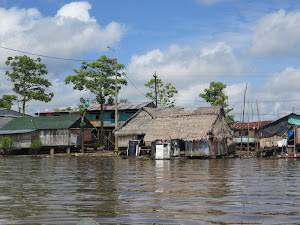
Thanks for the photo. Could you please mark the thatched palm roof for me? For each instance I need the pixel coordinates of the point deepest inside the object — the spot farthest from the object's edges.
(138, 124)
(189, 125)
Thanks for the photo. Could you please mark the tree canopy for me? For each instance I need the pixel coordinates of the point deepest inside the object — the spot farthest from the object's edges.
(99, 78)
(27, 75)
(215, 96)
(165, 93)
(7, 101)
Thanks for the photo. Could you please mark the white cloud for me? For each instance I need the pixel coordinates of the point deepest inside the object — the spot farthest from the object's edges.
(187, 68)
(78, 10)
(274, 96)
(71, 33)
(185, 64)
(277, 34)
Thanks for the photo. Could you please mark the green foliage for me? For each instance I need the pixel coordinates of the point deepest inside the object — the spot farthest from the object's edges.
(27, 75)
(82, 107)
(216, 97)
(36, 144)
(7, 101)
(165, 93)
(123, 100)
(65, 109)
(7, 143)
(98, 77)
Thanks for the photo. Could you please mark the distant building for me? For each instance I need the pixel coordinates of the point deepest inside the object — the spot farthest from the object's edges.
(125, 111)
(59, 113)
(253, 134)
(7, 115)
(136, 126)
(283, 132)
(200, 132)
(55, 131)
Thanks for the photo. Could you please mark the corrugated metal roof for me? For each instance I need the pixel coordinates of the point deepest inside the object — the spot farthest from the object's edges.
(16, 131)
(121, 106)
(52, 122)
(251, 125)
(9, 112)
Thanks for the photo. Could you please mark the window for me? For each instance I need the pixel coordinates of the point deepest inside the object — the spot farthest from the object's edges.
(97, 117)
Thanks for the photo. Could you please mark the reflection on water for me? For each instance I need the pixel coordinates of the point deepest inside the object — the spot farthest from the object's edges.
(63, 190)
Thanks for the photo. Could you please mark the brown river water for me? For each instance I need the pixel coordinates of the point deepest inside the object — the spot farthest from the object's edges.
(64, 190)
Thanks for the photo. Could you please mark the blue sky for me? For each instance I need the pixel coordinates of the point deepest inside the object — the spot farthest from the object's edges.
(187, 42)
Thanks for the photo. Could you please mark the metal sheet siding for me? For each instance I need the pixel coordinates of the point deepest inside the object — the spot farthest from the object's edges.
(54, 137)
(251, 125)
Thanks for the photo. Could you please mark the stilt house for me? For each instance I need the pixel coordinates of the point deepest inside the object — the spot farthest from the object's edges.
(51, 131)
(136, 126)
(200, 132)
(283, 132)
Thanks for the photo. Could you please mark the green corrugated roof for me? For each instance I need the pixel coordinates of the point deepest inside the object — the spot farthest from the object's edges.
(52, 122)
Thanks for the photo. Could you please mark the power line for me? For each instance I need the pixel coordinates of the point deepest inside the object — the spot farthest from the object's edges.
(134, 85)
(268, 114)
(185, 100)
(233, 73)
(46, 56)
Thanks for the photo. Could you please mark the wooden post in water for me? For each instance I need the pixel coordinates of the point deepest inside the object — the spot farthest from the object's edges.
(243, 120)
(258, 127)
(68, 150)
(51, 151)
(248, 132)
(294, 140)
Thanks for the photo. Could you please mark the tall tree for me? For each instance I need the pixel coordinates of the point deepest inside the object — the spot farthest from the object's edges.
(164, 93)
(215, 96)
(99, 78)
(27, 75)
(7, 101)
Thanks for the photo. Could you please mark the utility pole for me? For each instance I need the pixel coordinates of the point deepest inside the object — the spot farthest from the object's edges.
(155, 89)
(116, 99)
(116, 104)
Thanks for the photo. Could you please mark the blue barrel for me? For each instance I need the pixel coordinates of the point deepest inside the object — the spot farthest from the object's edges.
(131, 150)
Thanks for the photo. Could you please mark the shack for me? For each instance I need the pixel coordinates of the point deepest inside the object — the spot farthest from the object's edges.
(200, 132)
(247, 133)
(51, 131)
(136, 126)
(282, 133)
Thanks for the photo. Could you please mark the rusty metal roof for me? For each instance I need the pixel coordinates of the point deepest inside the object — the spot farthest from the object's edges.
(252, 125)
(121, 106)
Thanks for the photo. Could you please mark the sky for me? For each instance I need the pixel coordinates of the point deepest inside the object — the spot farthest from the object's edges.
(188, 43)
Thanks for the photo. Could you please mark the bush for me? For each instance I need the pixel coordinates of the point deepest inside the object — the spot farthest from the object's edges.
(36, 145)
(7, 144)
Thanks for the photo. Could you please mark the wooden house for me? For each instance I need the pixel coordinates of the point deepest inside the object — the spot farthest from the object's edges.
(136, 126)
(247, 132)
(283, 132)
(51, 131)
(7, 115)
(125, 111)
(200, 132)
